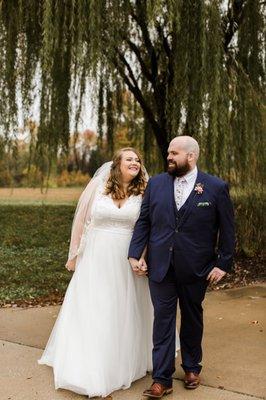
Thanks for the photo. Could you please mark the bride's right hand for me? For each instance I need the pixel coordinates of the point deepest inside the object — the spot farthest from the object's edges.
(71, 265)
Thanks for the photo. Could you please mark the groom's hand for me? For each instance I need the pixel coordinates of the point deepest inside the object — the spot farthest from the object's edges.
(135, 265)
(216, 275)
(143, 265)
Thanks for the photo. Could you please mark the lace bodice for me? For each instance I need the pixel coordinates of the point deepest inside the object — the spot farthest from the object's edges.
(106, 215)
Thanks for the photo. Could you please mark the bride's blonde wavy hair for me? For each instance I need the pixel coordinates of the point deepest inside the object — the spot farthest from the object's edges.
(114, 184)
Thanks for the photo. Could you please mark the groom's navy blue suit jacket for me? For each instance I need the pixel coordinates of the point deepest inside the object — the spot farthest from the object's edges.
(195, 239)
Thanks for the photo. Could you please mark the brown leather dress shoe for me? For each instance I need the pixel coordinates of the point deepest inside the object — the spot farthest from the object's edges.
(191, 380)
(157, 391)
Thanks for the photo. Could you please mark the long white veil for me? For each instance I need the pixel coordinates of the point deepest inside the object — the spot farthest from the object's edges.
(82, 215)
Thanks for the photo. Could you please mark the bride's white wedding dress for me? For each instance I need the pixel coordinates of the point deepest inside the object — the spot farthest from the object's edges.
(102, 339)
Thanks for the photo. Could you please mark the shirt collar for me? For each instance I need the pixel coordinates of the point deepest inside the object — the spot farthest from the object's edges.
(191, 175)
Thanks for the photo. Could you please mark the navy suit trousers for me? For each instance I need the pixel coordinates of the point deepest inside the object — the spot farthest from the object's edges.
(165, 296)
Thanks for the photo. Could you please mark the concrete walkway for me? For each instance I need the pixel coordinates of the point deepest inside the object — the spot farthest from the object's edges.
(234, 352)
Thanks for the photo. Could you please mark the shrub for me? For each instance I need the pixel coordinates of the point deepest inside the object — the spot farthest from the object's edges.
(71, 179)
(249, 215)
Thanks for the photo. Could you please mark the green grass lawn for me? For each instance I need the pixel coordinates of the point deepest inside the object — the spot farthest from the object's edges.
(35, 233)
(34, 242)
(32, 196)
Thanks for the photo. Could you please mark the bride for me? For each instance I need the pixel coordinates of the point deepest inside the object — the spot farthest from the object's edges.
(102, 338)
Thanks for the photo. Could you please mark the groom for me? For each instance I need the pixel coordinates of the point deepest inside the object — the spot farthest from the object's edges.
(187, 223)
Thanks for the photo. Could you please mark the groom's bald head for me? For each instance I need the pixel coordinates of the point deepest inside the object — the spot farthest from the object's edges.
(186, 143)
(183, 153)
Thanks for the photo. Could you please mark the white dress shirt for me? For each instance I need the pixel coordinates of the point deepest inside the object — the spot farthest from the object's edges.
(183, 186)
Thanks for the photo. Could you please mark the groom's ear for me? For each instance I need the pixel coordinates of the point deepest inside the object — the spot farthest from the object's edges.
(191, 156)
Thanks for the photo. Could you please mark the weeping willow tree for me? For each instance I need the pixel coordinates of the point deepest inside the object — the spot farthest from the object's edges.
(193, 67)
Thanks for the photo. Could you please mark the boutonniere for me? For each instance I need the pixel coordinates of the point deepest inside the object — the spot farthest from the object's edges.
(199, 188)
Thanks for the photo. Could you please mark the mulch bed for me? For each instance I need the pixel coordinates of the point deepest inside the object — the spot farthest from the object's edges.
(246, 271)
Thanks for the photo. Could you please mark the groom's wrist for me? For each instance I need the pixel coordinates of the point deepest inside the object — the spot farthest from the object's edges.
(136, 256)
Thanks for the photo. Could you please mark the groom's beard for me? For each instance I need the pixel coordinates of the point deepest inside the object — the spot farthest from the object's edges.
(178, 170)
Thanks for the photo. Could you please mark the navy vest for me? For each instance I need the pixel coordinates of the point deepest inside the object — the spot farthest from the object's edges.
(179, 215)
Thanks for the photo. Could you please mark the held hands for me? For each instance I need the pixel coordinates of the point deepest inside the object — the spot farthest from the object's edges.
(139, 267)
(215, 275)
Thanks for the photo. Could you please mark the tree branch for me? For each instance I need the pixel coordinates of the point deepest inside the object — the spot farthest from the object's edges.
(164, 40)
(140, 17)
(137, 52)
(125, 62)
(232, 21)
(136, 92)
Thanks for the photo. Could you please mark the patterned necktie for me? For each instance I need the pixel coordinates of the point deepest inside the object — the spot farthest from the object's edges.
(179, 189)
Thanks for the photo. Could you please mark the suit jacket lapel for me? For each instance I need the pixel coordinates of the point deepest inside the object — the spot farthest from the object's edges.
(191, 199)
(170, 195)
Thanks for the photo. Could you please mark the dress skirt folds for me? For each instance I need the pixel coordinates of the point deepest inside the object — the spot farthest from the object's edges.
(102, 338)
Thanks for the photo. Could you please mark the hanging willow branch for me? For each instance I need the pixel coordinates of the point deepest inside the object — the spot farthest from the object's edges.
(191, 67)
